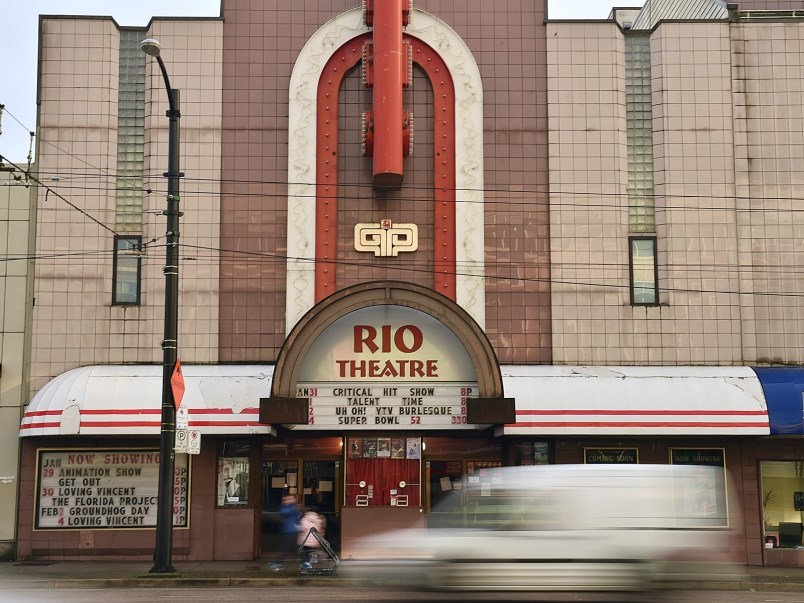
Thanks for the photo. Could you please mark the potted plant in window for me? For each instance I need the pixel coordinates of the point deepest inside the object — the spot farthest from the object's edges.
(767, 497)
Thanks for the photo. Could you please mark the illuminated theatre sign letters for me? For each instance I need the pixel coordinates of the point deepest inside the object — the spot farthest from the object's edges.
(387, 366)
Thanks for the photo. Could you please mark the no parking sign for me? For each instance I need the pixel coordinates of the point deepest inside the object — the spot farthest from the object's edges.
(194, 442)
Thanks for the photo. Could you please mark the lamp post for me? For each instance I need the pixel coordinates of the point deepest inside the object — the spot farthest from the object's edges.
(163, 550)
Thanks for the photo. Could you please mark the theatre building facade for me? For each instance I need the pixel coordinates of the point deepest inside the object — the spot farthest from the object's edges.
(417, 243)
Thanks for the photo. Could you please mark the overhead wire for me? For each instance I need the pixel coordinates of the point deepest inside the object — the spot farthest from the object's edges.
(545, 193)
(103, 173)
(497, 277)
(550, 202)
(62, 197)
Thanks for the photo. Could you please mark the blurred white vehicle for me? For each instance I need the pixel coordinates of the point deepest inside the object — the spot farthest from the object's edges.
(560, 527)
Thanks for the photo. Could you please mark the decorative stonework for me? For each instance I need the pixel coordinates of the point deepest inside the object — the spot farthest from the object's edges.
(320, 47)
(301, 158)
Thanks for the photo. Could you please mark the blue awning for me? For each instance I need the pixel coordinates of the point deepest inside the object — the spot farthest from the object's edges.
(784, 394)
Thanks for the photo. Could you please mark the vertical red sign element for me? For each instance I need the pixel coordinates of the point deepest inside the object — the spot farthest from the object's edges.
(177, 384)
(388, 81)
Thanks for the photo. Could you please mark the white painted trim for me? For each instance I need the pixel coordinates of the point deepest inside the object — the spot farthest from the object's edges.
(302, 112)
(300, 296)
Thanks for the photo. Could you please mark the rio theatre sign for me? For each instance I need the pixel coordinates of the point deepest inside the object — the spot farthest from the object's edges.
(387, 366)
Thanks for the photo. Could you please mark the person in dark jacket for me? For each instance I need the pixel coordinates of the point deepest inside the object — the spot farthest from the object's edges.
(289, 514)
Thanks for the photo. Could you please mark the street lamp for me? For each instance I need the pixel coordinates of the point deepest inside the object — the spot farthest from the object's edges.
(163, 550)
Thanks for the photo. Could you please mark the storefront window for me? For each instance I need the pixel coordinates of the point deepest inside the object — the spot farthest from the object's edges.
(480, 475)
(232, 481)
(383, 471)
(482, 472)
(782, 494)
(461, 447)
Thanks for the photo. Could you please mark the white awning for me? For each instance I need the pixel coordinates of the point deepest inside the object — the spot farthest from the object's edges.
(550, 400)
(127, 400)
(615, 400)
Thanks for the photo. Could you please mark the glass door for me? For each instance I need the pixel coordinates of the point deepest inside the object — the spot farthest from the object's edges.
(278, 478)
(319, 492)
(445, 493)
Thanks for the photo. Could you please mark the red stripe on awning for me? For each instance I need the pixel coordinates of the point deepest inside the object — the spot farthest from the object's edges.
(255, 422)
(637, 424)
(40, 425)
(121, 411)
(572, 412)
(120, 423)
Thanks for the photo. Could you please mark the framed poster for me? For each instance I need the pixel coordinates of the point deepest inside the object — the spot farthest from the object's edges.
(397, 448)
(233, 481)
(414, 448)
(702, 495)
(531, 452)
(383, 447)
(355, 448)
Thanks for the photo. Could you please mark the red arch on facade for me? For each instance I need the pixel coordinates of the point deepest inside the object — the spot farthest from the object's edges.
(326, 215)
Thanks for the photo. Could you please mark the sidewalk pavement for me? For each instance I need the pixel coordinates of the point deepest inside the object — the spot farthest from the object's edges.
(118, 574)
(114, 574)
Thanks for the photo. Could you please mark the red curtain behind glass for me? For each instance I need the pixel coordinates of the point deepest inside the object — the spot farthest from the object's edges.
(385, 475)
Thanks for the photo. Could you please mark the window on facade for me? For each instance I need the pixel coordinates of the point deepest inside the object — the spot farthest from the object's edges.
(644, 280)
(127, 261)
(782, 498)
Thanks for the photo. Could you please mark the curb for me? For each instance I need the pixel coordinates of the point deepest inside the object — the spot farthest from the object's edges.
(179, 582)
(723, 583)
(736, 585)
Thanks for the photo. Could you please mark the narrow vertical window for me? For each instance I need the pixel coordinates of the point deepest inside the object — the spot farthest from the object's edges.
(126, 278)
(643, 266)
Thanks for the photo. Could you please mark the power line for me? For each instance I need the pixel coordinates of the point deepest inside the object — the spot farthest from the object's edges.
(409, 268)
(550, 194)
(427, 188)
(544, 265)
(67, 201)
(410, 201)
